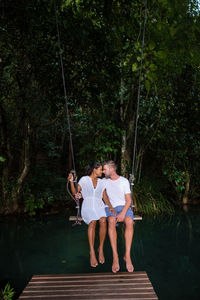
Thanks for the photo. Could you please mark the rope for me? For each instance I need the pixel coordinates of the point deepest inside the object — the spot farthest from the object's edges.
(67, 113)
(132, 175)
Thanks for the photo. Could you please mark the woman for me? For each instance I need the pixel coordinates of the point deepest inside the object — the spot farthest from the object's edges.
(93, 208)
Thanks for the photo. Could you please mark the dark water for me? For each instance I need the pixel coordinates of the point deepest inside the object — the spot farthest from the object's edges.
(167, 248)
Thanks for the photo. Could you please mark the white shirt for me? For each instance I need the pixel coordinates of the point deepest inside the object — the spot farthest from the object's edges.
(116, 190)
(93, 207)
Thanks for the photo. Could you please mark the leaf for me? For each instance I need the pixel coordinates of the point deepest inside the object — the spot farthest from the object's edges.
(161, 54)
(126, 46)
(151, 46)
(121, 28)
(147, 85)
(153, 67)
(134, 67)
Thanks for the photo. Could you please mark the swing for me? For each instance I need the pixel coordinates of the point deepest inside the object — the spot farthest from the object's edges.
(77, 221)
(78, 218)
(132, 175)
(73, 218)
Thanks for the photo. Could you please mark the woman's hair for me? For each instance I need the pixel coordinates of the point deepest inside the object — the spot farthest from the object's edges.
(91, 167)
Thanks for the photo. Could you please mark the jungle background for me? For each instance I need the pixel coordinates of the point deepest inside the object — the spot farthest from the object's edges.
(101, 45)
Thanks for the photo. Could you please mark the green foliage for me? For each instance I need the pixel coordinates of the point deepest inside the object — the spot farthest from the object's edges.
(176, 176)
(31, 203)
(150, 198)
(11, 189)
(7, 293)
(101, 44)
(43, 190)
(53, 150)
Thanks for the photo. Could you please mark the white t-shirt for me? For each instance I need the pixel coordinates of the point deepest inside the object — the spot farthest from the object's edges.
(93, 207)
(116, 190)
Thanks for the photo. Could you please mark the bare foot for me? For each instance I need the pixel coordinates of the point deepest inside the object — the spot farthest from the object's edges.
(115, 265)
(93, 260)
(129, 265)
(101, 256)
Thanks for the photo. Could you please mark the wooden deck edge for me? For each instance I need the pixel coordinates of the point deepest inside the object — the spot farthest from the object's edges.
(93, 275)
(98, 286)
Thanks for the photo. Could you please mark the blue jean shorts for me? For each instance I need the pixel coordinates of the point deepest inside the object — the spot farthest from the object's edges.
(118, 209)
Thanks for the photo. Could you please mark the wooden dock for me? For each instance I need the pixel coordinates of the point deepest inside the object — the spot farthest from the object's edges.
(104, 286)
(73, 218)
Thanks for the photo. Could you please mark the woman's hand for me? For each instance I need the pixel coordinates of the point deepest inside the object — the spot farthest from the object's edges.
(70, 177)
(120, 217)
(78, 196)
(113, 210)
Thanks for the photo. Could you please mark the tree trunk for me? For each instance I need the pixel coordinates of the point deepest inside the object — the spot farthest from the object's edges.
(187, 188)
(26, 157)
(127, 116)
(123, 154)
(127, 132)
(25, 168)
(138, 160)
(6, 153)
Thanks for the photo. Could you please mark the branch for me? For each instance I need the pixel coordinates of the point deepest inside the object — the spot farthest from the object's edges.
(26, 159)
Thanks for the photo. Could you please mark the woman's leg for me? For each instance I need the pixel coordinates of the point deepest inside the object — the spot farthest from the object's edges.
(102, 236)
(91, 239)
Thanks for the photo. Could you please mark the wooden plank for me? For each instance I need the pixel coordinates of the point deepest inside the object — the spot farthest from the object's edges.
(90, 295)
(98, 286)
(83, 288)
(94, 275)
(73, 218)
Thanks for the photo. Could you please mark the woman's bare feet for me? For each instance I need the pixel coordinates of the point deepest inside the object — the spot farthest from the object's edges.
(129, 265)
(93, 260)
(115, 265)
(101, 256)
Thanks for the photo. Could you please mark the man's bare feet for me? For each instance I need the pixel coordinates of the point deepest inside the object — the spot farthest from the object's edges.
(93, 260)
(129, 265)
(115, 265)
(101, 256)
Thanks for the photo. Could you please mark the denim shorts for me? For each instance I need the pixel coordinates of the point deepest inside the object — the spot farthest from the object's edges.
(118, 209)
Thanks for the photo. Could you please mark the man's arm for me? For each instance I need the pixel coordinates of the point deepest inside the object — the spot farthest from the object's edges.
(121, 216)
(107, 202)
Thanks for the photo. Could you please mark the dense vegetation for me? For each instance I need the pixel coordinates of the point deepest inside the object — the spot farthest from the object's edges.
(101, 46)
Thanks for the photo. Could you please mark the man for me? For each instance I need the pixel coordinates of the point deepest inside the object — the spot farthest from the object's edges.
(118, 191)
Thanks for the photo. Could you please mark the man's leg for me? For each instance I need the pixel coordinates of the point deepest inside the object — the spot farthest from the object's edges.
(113, 241)
(102, 236)
(128, 242)
(91, 239)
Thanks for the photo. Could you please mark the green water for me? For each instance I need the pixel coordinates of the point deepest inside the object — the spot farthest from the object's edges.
(167, 248)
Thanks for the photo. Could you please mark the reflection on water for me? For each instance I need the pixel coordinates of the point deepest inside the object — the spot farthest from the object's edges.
(167, 248)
